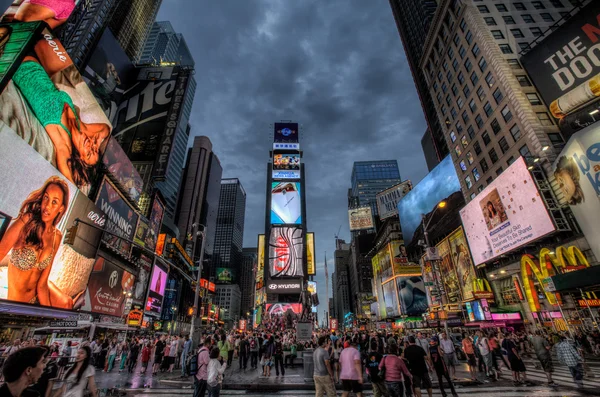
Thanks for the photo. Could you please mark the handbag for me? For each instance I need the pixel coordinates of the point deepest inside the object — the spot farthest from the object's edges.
(381, 373)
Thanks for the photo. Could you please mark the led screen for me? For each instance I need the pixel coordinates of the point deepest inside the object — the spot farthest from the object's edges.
(286, 204)
(279, 309)
(505, 215)
(285, 132)
(310, 254)
(463, 263)
(224, 275)
(156, 290)
(286, 166)
(286, 251)
(390, 298)
(412, 296)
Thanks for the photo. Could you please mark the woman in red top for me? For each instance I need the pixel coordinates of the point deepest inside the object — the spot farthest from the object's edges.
(145, 357)
(395, 369)
(467, 347)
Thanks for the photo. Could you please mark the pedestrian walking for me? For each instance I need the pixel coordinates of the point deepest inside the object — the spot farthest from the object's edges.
(146, 351)
(483, 345)
(112, 354)
(542, 350)
(439, 366)
(418, 364)
(372, 364)
(173, 353)
(223, 346)
(468, 349)
(322, 372)
(351, 372)
(123, 352)
(244, 352)
(231, 347)
(134, 351)
(510, 344)
(215, 373)
(185, 353)
(569, 356)
(254, 349)
(80, 376)
(22, 368)
(278, 357)
(393, 371)
(447, 347)
(45, 383)
(159, 348)
(201, 376)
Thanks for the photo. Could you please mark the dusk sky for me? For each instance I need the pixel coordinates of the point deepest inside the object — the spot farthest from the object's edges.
(337, 67)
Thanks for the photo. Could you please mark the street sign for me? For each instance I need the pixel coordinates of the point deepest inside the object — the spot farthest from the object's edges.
(304, 331)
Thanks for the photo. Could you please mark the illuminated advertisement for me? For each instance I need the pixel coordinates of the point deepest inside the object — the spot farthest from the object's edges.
(412, 296)
(286, 205)
(279, 309)
(156, 290)
(385, 264)
(122, 170)
(286, 250)
(144, 264)
(141, 232)
(36, 263)
(285, 132)
(224, 275)
(387, 200)
(16, 39)
(390, 298)
(400, 264)
(260, 263)
(286, 146)
(505, 215)
(463, 262)
(156, 218)
(286, 166)
(577, 172)
(433, 296)
(448, 272)
(49, 76)
(310, 254)
(436, 186)
(360, 218)
(107, 289)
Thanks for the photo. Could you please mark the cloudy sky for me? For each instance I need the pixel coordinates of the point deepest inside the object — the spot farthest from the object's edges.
(337, 67)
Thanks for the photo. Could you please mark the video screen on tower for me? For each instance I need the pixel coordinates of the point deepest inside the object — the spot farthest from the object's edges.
(286, 251)
(285, 132)
(286, 166)
(286, 205)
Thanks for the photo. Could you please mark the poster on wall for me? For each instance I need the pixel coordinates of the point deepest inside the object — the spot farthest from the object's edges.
(360, 218)
(387, 200)
(577, 173)
(286, 250)
(107, 289)
(385, 264)
(260, 262)
(144, 264)
(310, 254)
(433, 295)
(35, 205)
(447, 271)
(506, 215)
(412, 295)
(286, 204)
(156, 290)
(49, 76)
(463, 262)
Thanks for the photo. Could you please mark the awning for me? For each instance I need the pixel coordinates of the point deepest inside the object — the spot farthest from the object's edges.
(584, 278)
(78, 327)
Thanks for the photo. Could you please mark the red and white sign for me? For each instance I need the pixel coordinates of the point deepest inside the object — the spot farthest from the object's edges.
(243, 324)
(334, 324)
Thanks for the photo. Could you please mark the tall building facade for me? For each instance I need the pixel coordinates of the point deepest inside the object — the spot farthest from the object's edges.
(228, 298)
(199, 199)
(490, 111)
(370, 178)
(131, 24)
(229, 237)
(342, 293)
(249, 262)
(165, 45)
(413, 19)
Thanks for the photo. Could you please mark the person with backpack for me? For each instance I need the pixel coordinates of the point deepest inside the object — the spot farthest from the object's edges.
(201, 370)
(278, 357)
(254, 349)
(244, 352)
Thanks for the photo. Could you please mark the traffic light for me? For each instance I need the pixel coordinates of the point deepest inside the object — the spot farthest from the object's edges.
(71, 234)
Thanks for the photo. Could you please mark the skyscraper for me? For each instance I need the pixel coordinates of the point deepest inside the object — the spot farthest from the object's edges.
(199, 198)
(229, 237)
(249, 261)
(413, 19)
(131, 24)
(165, 45)
(370, 178)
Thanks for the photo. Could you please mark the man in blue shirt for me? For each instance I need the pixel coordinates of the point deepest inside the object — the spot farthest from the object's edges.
(187, 346)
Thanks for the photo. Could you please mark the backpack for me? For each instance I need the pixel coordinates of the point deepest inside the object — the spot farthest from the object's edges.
(253, 343)
(193, 365)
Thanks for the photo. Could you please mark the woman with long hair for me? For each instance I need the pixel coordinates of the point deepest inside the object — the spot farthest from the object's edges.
(493, 214)
(79, 376)
(30, 243)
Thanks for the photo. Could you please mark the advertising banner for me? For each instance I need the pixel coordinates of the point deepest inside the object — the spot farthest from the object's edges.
(505, 215)
(433, 295)
(387, 200)
(121, 218)
(285, 132)
(286, 252)
(360, 218)
(286, 166)
(260, 263)
(122, 170)
(144, 264)
(141, 232)
(390, 298)
(565, 66)
(449, 278)
(577, 173)
(463, 262)
(412, 295)
(385, 264)
(286, 205)
(156, 290)
(156, 217)
(311, 267)
(279, 309)
(107, 289)
(400, 264)
(169, 307)
(160, 244)
(224, 275)
(16, 40)
(436, 186)
(286, 146)
(284, 286)
(36, 266)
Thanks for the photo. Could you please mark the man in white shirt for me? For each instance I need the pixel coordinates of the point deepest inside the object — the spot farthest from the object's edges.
(447, 347)
(423, 342)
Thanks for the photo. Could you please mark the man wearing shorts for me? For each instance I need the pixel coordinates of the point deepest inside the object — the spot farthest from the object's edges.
(542, 351)
(418, 363)
(447, 346)
(351, 372)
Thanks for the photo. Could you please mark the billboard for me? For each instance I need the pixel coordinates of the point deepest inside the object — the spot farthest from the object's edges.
(285, 132)
(224, 275)
(279, 309)
(577, 173)
(360, 218)
(122, 170)
(387, 200)
(156, 217)
(286, 166)
(439, 184)
(156, 289)
(284, 286)
(412, 296)
(565, 66)
(311, 266)
(141, 232)
(37, 207)
(107, 289)
(390, 298)
(286, 251)
(260, 263)
(144, 264)
(286, 146)
(121, 218)
(286, 204)
(16, 40)
(447, 270)
(463, 263)
(507, 214)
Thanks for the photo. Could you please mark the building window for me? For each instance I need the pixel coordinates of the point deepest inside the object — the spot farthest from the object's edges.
(538, 5)
(510, 160)
(524, 150)
(480, 188)
(556, 4)
(454, 90)
(508, 20)
(505, 48)
(484, 165)
(489, 78)
(454, 64)
(468, 65)
(487, 108)
(464, 141)
(536, 31)
(534, 99)
(482, 64)
(470, 157)
(473, 106)
(547, 17)
(461, 78)
(462, 25)
(471, 132)
(473, 195)
(443, 108)
(462, 52)
(459, 127)
(475, 50)
(498, 96)
(483, 9)
(460, 102)
(556, 139)
(490, 21)
(495, 126)
(499, 171)
(544, 118)
(474, 78)
(517, 33)
(527, 18)
(448, 100)
(465, 117)
(479, 121)
(476, 174)
(477, 148)
(493, 156)
(468, 182)
(523, 81)
(519, 6)
(480, 93)
(514, 63)
(486, 138)
(497, 34)
(501, 7)
(489, 180)
(456, 39)
(503, 145)
(507, 114)
(524, 46)
(515, 132)
(469, 37)
(445, 65)
(444, 88)
(463, 166)
(457, 150)
(466, 91)
(449, 76)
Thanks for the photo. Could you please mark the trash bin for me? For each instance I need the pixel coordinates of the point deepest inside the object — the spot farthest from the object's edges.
(307, 360)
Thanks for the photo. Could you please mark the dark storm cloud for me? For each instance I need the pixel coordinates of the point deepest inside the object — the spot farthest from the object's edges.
(337, 67)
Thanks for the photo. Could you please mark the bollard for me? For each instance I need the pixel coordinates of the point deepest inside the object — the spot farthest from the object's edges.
(309, 367)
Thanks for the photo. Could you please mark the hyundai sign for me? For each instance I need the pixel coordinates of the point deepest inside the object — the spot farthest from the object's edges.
(284, 286)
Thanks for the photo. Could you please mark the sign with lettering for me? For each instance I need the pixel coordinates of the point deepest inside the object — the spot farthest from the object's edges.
(65, 324)
(304, 331)
(589, 302)
(387, 200)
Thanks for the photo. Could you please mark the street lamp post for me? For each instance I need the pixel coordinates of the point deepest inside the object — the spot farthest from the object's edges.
(434, 269)
(197, 293)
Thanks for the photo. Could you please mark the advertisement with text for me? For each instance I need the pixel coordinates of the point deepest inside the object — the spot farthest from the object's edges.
(463, 262)
(360, 218)
(286, 251)
(449, 278)
(311, 265)
(286, 166)
(122, 170)
(387, 200)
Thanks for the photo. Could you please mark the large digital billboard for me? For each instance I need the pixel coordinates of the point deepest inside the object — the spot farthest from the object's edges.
(390, 298)
(16, 39)
(311, 266)
(286, 166)
(577, 174)
(286, 251)
(412, 296)
(448, 275)
(279, 309)
(360, 218)
(387, 200)
(36, 201)
(459, 250)
(286, 203)
(260, 261)
(122, 170)
(507, 214)
(565, 66)
(156, 290)
(439, 184)
(285, 132)
(224, 275)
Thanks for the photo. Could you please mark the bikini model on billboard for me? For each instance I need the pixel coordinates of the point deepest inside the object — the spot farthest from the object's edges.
(53, 12)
